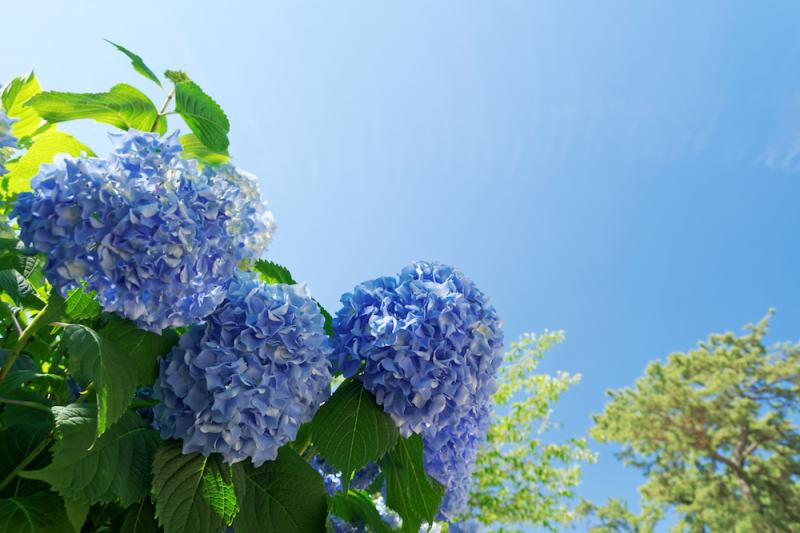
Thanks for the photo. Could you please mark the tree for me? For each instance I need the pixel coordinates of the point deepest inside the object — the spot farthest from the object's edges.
(714, 431)
(520, 479)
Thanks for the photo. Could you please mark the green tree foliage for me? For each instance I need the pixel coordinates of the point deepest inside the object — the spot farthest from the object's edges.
(714, 430)
(520, 479)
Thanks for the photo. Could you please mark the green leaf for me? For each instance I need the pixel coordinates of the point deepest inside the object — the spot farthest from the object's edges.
(176, 76)
(283, 496)
(137, 62)
(123, 106)
(44, 150)
(76, 513)
(19, 289)
(82, 305)
(357, 507)
(218, 489)
(15, 95)
(350, 429)
(272, 273)
(140, 518)
(194, 149)
(180, 488)
(328, 319)
(24, 264)
(92, 357)
(409, 490)
(42, 512)
(143, 347)
(114, 466)
(203, 116)
(16, 443)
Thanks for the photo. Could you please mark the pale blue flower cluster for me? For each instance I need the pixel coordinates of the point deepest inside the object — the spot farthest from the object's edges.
(428, 345)
(243, 383)
(157, 240)
(7, 140)
(332, 478)
(428, 340)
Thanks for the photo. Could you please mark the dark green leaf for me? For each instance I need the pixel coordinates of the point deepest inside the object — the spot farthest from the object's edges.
(16, 443)
(328, 320)
(19, 289)
(24, 264)
(409, 490)
(272, 272)
(123, 106)
(93, 357)
(283, 496)
(15, 94)
(357, 507)
(203, 116)
(76, 513)
(143, 347)
(140, 518)
(350, 429)
(194, 149)
(179, 490)
(115, 466)
(42, 512)
(137, 62)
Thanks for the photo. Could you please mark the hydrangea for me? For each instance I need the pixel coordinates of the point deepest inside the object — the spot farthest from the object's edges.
(155, 239)
(450, 453)
(7, 140)
(429, 342)
(243, 383)
(332, 478)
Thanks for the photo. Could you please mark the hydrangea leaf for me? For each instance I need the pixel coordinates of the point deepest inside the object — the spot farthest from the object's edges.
(93, 357)
(203, 116)
(15, 95)
(24, 264)
(16, 443)
(144, 347)
(180, 491)
(357, 506)
(273, 273)
(19, 289)
(42, 512)
(284, 495)
(140, 518)
(409, 490)
(218, 489)
(350, 429)
(194, 149)
(44, 150)
(115, 466)
(76, 513)
(81, 304)
(124, 107)
(137, 62)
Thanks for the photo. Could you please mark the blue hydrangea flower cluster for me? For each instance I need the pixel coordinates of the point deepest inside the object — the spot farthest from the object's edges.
(7, 140)
(155, 239)
(429, 342)
(429, 346)
(243, 383)
(332, 478)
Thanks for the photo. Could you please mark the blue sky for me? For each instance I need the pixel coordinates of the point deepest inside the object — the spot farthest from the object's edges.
(626, 171)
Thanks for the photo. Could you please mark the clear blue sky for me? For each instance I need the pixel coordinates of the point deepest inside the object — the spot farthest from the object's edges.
(626, 171)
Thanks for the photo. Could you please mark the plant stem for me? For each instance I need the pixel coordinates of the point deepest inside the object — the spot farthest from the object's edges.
(161, 111)
(25, 462)
(41, 319)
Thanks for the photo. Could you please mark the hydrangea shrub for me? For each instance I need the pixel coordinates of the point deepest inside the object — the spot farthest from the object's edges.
(158, 372)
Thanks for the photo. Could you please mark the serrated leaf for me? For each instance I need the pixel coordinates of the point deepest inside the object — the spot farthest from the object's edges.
(179, 491)
(143, 347)
(357, 507)
(19, 289)
(140, 518)
(328, 325)
(350, 429)
(137, 62)
(44, 150)
(176, 76)
(24, 264)
(283, 496)
(123, 106)
(194, 149)
(76, 513)
(409, 490)
(16, 443)
(272, 273)
(81, 305)
(218, 489)
(93, 357)
(203, 116)
(15, 95)
(42, 512)
(115, 466)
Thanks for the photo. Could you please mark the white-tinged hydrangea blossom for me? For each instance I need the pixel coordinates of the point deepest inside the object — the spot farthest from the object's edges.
(7, 140)
(429, 345)
(155, 239)
(243, 383)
